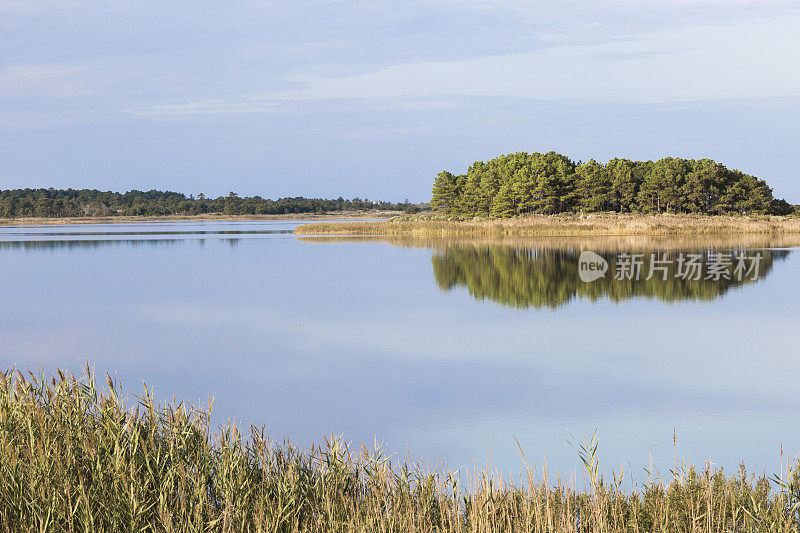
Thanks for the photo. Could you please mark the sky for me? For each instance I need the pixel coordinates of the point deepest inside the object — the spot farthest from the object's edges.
(372, 99)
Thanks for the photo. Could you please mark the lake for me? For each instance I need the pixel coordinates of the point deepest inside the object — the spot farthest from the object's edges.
(446, 351)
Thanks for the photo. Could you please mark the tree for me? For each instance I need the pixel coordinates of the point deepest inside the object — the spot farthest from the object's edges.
(504, 204)
(550, 183)
(445, 192)
(624, 184)
(781, 207)
(85, 202)
(555, 183)
(593, 187)
(702, 187)
(650, 197)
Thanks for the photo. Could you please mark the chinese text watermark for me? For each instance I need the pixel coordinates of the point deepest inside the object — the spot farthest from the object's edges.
(713, 266)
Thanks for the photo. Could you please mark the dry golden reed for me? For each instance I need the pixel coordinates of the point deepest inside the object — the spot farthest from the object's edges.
(73, 458)
(432, 225)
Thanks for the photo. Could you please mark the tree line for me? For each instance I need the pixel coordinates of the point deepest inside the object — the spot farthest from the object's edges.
(522, 183)
(65, 203)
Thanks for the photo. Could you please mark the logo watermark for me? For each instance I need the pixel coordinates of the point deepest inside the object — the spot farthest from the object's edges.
(591, 266)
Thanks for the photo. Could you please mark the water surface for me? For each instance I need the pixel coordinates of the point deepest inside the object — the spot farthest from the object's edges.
(444, 350)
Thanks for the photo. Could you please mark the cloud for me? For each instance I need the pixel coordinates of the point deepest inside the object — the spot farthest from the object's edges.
(633, 54)
(256, 103)
(26, 7)
(420, 104)
(250, 55)
(389, 133)
(105, 81)
(79, 76)
(207, 107)
(740, 61)
(62, 80)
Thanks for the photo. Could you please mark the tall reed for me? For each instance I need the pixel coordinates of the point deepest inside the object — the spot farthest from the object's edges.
(73, 458)
(436, 225)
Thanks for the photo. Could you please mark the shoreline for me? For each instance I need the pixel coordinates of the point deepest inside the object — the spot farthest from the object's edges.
(595, 243)
(605, 224)
(343, 215)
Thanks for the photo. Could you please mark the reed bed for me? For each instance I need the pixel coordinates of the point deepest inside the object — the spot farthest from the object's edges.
(433, 225)
(75, 458)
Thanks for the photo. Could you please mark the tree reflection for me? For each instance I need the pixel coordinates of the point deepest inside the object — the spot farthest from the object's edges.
(548, 278)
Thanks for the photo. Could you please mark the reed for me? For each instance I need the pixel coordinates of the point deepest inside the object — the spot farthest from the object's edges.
(75, 458)
(433, 225)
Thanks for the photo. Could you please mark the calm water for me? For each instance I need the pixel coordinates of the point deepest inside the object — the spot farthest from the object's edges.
(446, 349)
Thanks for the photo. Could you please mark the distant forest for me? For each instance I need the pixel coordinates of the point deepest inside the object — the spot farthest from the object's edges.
(551, 183)
(52, 203)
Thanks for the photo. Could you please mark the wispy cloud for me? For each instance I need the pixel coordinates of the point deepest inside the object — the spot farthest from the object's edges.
(632, 54)
(206, 107)
(27, 7)
(735, 61)
(59, 80)
(331, 74)
(389, 133)
(288, 101)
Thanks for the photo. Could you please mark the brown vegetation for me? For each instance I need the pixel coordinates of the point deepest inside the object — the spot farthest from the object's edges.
(561, 225)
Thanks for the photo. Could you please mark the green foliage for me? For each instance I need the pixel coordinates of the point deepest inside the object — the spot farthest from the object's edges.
(76, 458)
(550, 183)
(594, 187)
(626, 177)
(445, 191)
(55, 203)
(782, 207)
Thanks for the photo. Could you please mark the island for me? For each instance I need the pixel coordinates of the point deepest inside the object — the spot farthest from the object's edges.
(549, 194)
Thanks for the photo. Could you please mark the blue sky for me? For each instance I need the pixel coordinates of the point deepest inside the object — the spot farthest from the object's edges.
(329, 98)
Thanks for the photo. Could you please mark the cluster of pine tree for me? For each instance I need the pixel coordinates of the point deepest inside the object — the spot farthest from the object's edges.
(550, 183)
(51, 203)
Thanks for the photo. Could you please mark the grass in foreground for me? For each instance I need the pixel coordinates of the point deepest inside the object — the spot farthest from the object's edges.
(433, 225)
(75, 459)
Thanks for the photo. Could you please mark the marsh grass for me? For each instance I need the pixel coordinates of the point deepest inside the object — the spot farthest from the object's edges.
(75, 458)
(433, 225)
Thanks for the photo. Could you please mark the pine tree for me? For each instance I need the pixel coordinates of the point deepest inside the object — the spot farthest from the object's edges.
(504, 204)
(550, 183)
(445, 193)
(593, 187)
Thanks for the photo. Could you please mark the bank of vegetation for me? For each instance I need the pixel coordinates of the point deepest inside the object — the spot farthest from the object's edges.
(91, 203)
(438, 225)
(523, 183)
(77, 458)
